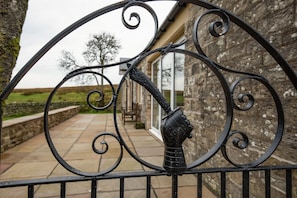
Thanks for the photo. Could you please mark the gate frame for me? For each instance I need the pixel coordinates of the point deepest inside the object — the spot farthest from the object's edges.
(175, 122)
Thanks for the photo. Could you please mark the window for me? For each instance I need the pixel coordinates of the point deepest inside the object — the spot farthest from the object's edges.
(156, 76)
(168, 76)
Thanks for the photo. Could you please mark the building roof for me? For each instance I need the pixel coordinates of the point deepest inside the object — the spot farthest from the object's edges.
(169, 20)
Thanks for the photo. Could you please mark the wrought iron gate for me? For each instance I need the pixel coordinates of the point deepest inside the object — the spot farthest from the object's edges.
(176, 126)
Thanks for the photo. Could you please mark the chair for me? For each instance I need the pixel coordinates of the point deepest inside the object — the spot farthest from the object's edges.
(130, 114)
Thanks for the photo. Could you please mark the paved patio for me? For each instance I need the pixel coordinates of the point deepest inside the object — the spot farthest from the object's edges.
(73, 139)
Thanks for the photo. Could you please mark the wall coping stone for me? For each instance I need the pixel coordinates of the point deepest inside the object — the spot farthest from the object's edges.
(22, 119)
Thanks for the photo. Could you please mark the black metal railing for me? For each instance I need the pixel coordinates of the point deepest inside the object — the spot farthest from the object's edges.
(176, 127)
(149, 175)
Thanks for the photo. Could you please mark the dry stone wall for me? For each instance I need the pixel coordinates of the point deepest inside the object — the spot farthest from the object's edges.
(33, 107)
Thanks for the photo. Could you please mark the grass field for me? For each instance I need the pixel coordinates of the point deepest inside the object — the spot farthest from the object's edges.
(71, 94)
(64, 94)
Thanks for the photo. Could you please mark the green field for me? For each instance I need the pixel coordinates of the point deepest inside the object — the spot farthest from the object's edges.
(64, 94)
(71, 94)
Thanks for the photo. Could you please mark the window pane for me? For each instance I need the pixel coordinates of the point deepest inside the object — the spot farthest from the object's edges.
(167, 65)
(179, 80)
(156, 76)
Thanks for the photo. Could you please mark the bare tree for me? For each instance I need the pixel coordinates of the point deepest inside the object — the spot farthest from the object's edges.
(101, 50)
(68, 62)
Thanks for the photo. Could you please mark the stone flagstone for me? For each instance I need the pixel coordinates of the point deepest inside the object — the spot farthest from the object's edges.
(73, 139)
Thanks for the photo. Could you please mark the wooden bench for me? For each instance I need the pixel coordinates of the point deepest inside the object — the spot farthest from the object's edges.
(131, 114)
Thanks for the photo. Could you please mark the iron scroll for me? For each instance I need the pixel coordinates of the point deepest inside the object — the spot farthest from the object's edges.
(176, 127)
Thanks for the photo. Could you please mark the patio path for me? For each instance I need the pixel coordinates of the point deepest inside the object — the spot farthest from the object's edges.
(73, 139)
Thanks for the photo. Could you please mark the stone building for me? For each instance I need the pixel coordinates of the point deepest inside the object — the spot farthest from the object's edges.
(196, 87)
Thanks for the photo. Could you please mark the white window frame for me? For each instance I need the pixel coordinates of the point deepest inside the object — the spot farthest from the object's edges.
(157, 131)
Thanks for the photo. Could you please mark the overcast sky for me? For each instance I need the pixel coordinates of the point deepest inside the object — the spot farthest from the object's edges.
(46, 18)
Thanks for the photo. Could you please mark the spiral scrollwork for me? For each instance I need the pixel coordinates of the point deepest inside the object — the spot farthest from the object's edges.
(100, 98)
(240, 139)
(98, 101)
(246, 99)
(105, 148)
(128, 25)
(95, 149)
(241, 143)
(136, 15)
(102, 143)
(217, 28)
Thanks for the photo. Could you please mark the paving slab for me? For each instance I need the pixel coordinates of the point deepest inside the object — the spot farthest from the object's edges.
(29, 170)
(73, 141)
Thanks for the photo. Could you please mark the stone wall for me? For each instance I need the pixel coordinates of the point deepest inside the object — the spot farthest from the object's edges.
(32, 107)
(18, 130)
(205, 100)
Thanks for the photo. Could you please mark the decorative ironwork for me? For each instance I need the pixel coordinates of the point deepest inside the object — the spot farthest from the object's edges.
(175, 125)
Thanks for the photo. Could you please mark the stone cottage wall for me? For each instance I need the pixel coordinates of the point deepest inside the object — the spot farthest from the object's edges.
(205, 101)
(145, 102)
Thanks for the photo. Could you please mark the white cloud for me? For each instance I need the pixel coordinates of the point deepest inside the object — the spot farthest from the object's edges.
(45, 19)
